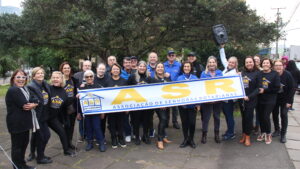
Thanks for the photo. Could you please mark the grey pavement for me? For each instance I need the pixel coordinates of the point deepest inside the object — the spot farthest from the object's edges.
(227, 155)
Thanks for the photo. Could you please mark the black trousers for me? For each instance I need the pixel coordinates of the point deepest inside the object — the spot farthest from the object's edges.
(19, 142)
(103, 125)
(247, 111)
(138, 118)
(188, 120)
(264, 112)
(58, 128)
(69, 127)
(175, 111)
(151, 126)
(116, 125)
(283, 110)
(208, 109)
(39, 140)
(162, 116)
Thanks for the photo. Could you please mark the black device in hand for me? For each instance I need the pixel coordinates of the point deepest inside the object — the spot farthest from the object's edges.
(220, 34)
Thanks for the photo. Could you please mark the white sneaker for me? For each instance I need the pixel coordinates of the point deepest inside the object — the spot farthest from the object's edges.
(128, 139)
(261, 137)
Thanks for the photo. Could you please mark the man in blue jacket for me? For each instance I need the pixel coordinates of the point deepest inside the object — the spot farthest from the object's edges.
(172, 69)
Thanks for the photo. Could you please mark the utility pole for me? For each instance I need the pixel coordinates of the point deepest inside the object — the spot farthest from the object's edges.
(278, 24)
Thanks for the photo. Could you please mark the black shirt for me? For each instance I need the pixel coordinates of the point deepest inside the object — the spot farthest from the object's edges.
(142, 80)
(285, 93)
(252, 83)
(271, 85)
(59, 102)
(101, 81)
(115, 83)
(198, 68)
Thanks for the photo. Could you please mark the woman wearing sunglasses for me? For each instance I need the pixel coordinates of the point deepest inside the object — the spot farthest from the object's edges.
(20, 117)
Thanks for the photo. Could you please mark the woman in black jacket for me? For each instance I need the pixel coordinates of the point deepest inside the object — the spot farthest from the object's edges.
(139, 117)
(267, 99)
(39, 139)
(252, 81)
(292, 68)
(71, 111)
(20, 117)
(283, 102)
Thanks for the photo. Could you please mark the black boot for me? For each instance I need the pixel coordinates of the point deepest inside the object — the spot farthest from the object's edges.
(276, 133)
(283, 137)
(217, 137)
(184, 143)
(146, 139)
(204, 137)
(31, 157)
(192, 143)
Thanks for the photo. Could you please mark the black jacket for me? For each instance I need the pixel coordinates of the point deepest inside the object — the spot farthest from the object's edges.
(17, 119)
(286, 92)
(143, 79)
(252, 83)
(42, 110)
(198, 68)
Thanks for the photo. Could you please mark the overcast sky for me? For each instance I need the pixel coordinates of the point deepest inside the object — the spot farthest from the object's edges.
(263, 8)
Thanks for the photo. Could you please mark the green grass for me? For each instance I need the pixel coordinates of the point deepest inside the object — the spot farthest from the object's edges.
(3, 90)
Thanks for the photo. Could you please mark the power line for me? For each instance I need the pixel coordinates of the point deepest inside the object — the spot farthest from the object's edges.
(292, 14)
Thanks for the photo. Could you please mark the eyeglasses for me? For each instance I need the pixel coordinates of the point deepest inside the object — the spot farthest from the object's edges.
(89, 77)
(21, 77)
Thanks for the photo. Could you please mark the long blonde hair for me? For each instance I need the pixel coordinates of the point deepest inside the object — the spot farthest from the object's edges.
(137, 75)
(63, 82)
(209, 58)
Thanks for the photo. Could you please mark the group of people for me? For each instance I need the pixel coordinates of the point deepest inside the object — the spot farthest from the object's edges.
(38, 106)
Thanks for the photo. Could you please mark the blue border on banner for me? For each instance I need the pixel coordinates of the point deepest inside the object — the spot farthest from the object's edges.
(164, 105)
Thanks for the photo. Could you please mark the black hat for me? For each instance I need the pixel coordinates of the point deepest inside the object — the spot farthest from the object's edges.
(171, 52)
(134, 57)
(191, 54)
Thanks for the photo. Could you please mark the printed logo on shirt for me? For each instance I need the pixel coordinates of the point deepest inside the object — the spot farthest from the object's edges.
(45, 97)
(281, 88)
(142, 82)
(265, 83)
(69, 90)
(56, 102)
(246, 81)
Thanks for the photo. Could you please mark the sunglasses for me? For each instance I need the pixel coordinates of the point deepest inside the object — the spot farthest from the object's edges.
(172, 55)
(89, 77)
(21, 77)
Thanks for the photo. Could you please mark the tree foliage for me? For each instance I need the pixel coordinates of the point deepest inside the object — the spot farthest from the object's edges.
(87, 28)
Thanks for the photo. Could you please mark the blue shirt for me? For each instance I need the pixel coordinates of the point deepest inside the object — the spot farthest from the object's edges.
(124, 74)
(151, 70)
(205, 74)
(173, 69)
(187, 77)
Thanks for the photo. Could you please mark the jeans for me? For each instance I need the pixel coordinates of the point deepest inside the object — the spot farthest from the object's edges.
(127, 126)
(228, 109)
(162, 116)
(19, 142)
(93, 123)
(208, 109)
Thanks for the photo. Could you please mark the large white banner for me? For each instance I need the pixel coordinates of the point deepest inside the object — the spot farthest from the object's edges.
(151, 96)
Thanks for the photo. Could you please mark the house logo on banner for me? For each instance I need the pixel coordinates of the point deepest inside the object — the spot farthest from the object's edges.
(91, 102)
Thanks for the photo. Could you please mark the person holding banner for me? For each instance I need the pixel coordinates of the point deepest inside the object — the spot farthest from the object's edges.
(92, 122)
(230, 69)
(139, 117)
(101, 79)
(71, 112)
(267, 99)
(21, 117)
(252, 81)
(212, 107)
(284, 101)
(162, 112)
(188, 113)
(116, 120)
